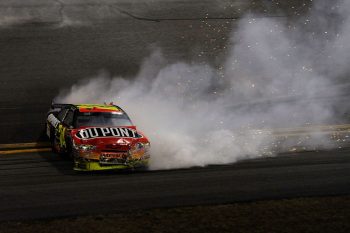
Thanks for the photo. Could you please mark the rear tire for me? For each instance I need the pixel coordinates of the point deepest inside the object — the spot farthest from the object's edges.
(54, 146)
(69, 150)
(53, 140)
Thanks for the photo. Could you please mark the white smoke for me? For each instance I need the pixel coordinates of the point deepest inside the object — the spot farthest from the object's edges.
(276, 75)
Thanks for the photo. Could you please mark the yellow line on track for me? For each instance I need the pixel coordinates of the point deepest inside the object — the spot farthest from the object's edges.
(313, 128)
(8, 152)
(285, 134)
(24, 145)
(31, 147)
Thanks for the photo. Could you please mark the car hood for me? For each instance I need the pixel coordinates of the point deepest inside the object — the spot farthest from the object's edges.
(121, 135)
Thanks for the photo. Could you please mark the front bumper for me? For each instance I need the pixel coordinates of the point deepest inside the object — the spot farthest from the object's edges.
(97, 160)
(82, 164)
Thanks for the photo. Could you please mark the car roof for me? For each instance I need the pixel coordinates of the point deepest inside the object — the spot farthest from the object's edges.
(98, 108)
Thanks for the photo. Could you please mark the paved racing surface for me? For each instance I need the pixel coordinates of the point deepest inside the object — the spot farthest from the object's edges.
(42, 56)
(43, 185)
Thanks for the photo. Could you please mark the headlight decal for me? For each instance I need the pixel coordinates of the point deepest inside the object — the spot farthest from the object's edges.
(84, 147)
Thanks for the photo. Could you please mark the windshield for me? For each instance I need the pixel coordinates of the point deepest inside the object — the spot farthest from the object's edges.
(102, 119)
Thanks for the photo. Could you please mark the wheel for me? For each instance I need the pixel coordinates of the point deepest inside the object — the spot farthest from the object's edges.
(54, 145)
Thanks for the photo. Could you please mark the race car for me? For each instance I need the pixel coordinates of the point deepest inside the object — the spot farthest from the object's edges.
(97, 137)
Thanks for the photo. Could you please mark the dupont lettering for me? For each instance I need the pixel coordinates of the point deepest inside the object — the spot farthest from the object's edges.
(98, 132)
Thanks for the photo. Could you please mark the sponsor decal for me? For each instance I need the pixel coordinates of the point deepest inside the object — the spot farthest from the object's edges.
(113, 155)
(53, 120)
(100, 132)
(61, 135)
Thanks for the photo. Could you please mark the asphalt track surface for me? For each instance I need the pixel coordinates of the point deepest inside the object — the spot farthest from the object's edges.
(44, 185)
(40, 57)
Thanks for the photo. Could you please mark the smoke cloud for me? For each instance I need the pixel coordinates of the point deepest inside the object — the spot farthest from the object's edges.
(277, 74)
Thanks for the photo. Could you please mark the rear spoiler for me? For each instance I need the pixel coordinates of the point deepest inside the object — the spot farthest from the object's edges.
(55, 108)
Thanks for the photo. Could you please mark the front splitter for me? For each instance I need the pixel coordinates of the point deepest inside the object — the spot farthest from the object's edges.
(96, 166)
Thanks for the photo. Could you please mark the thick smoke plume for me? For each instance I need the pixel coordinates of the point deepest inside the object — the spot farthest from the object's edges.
(277, 74)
